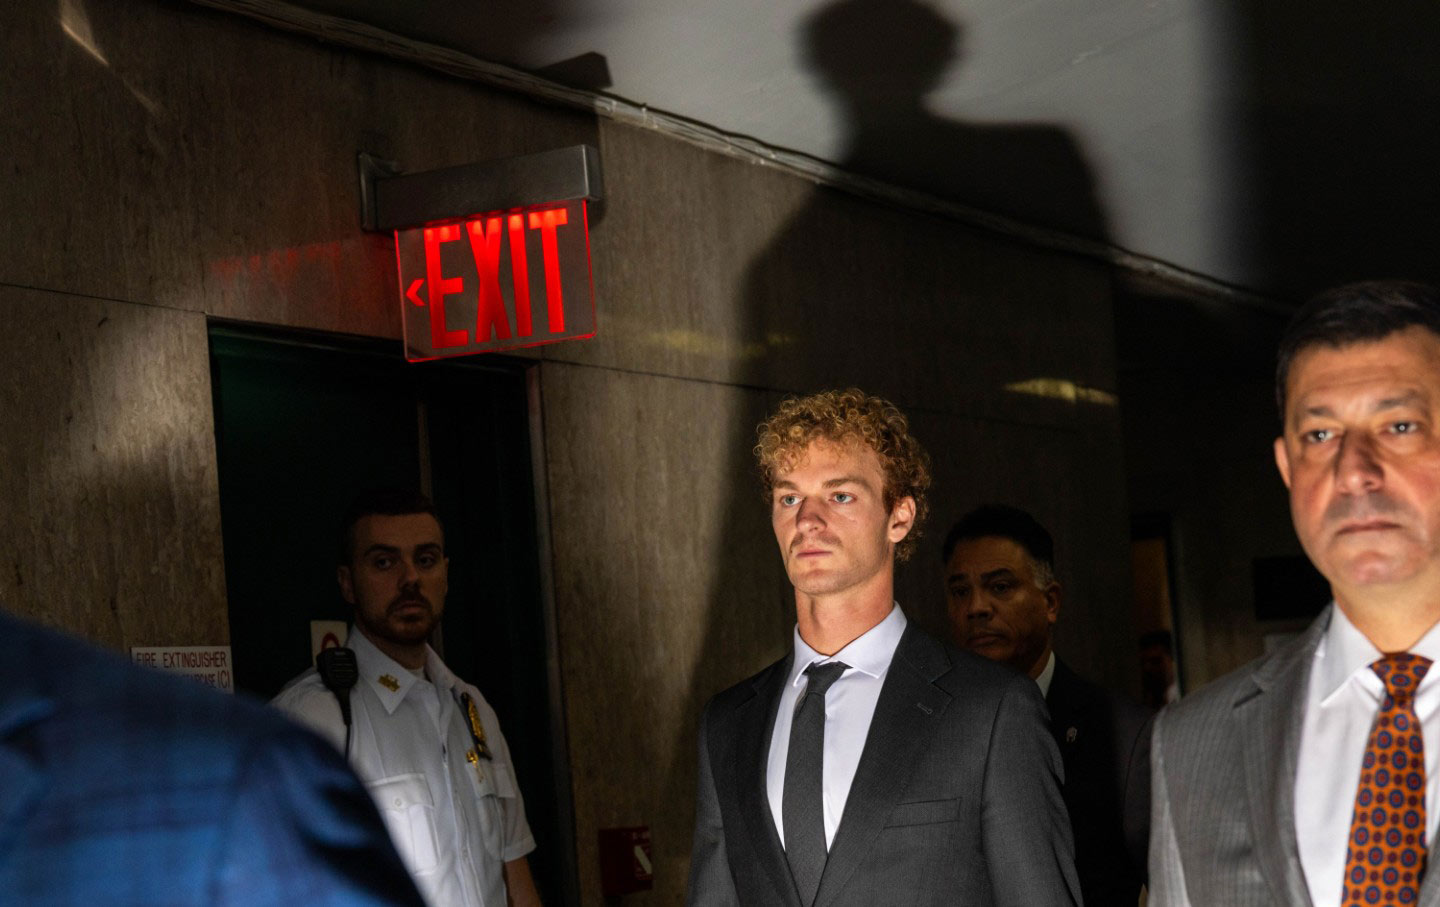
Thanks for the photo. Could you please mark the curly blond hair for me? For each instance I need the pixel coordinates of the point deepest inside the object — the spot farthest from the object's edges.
(850, 416)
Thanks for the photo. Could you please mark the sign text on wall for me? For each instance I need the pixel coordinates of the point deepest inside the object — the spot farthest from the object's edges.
(496, 281)
(210, 665)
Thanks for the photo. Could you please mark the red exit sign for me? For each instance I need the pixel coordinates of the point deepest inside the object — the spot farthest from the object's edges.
(496, 281)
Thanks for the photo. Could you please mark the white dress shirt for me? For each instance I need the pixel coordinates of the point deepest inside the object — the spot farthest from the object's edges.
(1047, 675)
(1340, 708)
(849, 706)
(454, 822)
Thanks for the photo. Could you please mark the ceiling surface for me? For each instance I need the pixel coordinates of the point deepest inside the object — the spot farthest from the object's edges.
(1277, 147)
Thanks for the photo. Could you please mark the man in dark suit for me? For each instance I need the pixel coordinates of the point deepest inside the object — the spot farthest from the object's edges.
(874, 764)
(1309, 777)
(121, 785)
(1004, 600)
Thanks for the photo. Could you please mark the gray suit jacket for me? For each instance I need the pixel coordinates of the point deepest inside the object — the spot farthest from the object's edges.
(1222, 827)
(956, 799)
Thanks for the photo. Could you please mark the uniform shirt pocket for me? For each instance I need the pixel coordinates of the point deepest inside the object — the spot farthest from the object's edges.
(496, 795)
(924, 812)
(503, 778)
(409, 813)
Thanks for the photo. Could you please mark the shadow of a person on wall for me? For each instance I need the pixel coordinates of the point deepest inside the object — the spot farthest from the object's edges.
(825, 316)
(880, 60)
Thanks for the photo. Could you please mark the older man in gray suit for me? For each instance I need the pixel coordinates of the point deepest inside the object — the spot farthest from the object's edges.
(1309, 777)
(874, 764)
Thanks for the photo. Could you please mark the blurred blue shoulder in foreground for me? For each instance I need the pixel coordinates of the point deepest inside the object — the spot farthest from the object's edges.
(122, 785)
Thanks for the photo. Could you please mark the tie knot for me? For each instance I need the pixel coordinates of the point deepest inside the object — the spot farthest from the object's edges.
(1401, 672)
(822, 676)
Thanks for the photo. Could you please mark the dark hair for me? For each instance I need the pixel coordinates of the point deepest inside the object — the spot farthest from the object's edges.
(1003, 521)
(381, 502)
(1356, 312)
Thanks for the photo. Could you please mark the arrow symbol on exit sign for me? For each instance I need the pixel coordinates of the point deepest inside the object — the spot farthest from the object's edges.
(410, 293)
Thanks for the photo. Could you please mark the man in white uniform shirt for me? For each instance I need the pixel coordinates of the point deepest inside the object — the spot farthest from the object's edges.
(873, 764)
(426, 744)
(1309, 776)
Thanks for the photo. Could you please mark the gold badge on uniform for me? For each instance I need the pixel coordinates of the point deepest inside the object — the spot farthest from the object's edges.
(477, 730)
(389, 683)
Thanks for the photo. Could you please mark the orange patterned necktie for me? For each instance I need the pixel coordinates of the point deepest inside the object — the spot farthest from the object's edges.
(1386, 855)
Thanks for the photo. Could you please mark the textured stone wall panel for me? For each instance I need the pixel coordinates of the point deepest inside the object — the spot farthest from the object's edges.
(111, 518)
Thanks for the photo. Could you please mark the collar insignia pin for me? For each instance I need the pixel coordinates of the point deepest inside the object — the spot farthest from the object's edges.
(389, 683)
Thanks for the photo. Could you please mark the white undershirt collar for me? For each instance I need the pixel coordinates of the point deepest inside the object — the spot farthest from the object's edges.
(869, 653)
(1047, 675)
(1344, 651)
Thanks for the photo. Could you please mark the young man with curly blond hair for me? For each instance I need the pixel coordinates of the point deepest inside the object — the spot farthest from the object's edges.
(873, 764)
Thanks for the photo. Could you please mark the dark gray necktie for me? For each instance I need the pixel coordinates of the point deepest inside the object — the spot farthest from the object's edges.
(802, 807)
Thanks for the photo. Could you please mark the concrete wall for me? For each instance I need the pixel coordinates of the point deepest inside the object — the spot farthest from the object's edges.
(1198, 402)
(111, 514)
(165, 164)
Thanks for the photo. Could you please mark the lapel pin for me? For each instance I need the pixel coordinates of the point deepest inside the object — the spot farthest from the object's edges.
(1071, 734)
(924, 708)
(389, 683)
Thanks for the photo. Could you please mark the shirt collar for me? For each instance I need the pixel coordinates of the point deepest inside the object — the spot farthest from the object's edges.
(869, 653)
(439, 674)
(386, 676)
(1047, 675)
(1345, 651)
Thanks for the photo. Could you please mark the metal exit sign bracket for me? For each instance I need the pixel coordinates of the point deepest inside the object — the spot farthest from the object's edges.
(490, 256)
(392, 200)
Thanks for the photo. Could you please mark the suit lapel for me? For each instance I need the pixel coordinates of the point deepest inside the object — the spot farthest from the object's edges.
(1430, 885)
(909, 704)
(754, 725)
(1271, 716)
(1066, 709)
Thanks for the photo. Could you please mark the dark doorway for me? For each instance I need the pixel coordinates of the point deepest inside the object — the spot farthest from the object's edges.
(305, 421)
